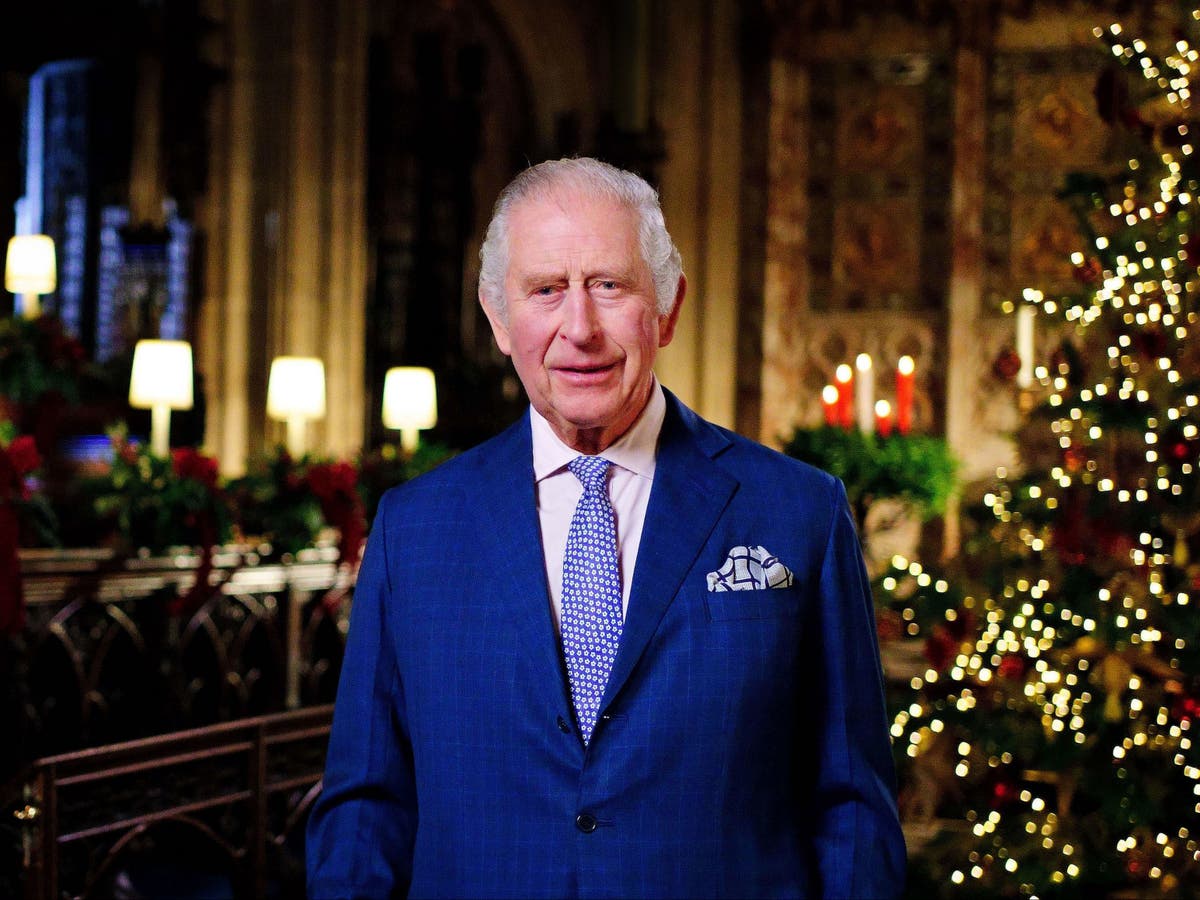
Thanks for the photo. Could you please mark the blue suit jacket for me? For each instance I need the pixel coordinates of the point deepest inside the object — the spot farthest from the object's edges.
(742, 747)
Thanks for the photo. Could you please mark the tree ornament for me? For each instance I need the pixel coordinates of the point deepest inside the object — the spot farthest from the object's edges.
(1090, 273)
(1007, 364)
(1151, 342)
(1066, 361)
(1114, 673)
(1186, 709)
(1074, 458)
(1003, 793)
(940, 648)
(1192, 248)
(1013, 666)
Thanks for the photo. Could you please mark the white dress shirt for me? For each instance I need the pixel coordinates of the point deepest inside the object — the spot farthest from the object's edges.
(558, 492)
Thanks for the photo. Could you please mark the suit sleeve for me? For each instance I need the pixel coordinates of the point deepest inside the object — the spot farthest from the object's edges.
(360, 835)
(858, 844)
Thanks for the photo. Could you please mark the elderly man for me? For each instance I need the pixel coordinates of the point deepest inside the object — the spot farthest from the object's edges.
(616, 651)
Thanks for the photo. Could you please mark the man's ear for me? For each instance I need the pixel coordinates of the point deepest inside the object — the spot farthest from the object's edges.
(499, 326)
(667, 323)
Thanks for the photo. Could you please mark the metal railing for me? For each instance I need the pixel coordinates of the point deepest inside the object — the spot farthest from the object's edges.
(217, 808)
(108, 654)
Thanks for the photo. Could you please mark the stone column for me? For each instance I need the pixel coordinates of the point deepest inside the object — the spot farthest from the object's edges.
(345, 287)
(966, 272)
(285, 220)
(700, 108)
(223, 346)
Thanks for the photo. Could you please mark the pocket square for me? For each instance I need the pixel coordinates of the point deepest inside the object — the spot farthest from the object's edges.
(750, 569)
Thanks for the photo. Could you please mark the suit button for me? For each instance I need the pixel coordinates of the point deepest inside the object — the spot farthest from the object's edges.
(585, 822)
(563, 726)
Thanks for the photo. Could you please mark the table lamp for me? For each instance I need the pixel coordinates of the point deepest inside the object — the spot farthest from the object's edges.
(295, 394)
(409, 403)
(161, 380)
(29, 270)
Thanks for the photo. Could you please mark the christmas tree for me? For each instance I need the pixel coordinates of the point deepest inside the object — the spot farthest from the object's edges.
(1052, 722)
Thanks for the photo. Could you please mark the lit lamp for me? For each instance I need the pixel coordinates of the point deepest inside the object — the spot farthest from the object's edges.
(409, 403)
(295, 394)
(29, 270)
(161, 381)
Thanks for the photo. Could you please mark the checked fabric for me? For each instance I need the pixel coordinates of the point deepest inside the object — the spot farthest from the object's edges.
(591, 592)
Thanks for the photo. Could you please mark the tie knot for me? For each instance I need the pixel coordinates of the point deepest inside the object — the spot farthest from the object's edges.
(592, 472)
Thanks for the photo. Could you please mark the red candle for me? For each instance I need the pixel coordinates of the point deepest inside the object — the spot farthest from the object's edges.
(844, 377)
(883, 418)
(829, 404)
(904, 393)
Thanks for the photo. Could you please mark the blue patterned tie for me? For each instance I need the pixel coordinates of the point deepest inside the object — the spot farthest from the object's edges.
(591, 592)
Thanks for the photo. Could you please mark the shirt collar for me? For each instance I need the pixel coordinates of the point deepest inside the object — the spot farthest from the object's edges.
(635, 450)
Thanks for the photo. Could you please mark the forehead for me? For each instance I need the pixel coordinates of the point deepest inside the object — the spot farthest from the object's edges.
(571, 226)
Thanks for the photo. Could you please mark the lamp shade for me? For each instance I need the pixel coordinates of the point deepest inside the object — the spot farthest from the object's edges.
(409, 398)
(296, 388)
(162, 375)
(30, 266)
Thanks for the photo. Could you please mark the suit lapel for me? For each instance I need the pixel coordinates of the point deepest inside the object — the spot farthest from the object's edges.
(689, 494)
(511, 541)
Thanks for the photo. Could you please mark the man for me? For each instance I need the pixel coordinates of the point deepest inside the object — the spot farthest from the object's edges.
(616, 651)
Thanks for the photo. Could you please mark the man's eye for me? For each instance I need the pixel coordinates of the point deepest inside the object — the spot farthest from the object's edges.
(545, 291)
(607, 285)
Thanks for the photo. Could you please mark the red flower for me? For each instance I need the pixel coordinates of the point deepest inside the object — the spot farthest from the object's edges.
(189, 463)
(330, 480)
(335, 485)
(23, 455)
(124, 450)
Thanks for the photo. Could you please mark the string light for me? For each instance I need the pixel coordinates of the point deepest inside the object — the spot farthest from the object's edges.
(1076, 662)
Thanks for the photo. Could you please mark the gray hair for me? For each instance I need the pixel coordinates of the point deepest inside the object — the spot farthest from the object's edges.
(596, 178)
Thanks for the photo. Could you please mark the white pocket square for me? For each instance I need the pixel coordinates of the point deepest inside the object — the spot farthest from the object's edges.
(750, 569)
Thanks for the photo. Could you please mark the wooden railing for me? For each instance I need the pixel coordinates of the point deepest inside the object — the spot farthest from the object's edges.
(211, 811)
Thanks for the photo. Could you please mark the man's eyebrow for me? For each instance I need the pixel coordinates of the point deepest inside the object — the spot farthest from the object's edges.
(536, 277)
(533, 277)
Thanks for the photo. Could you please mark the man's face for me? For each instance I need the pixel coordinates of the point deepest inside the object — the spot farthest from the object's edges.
(581, 327)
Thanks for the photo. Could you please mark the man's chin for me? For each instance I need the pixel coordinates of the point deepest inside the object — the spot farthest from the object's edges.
(583, 421)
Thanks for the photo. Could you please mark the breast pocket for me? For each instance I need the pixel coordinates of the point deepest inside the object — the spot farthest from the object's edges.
(771, 603)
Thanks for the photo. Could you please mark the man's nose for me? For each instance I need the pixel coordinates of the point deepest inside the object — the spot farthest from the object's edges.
(581, 323)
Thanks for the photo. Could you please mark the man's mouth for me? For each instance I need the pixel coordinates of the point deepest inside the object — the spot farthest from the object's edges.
(586, 373)
(586, 369)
